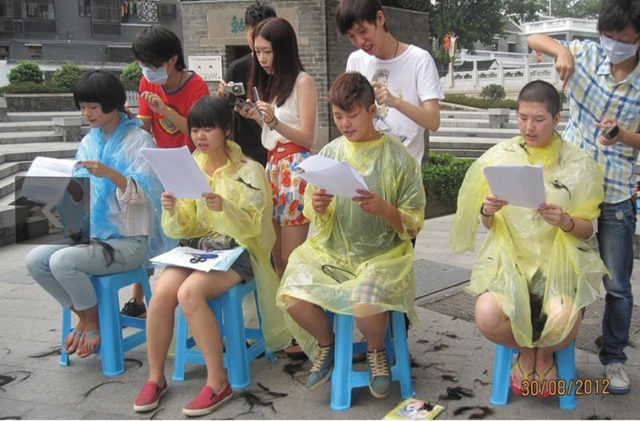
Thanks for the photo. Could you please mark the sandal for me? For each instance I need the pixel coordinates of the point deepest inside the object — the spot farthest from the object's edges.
(295, 352)
(72, 341)
(85, 349)
(516, 389)
(544, 381)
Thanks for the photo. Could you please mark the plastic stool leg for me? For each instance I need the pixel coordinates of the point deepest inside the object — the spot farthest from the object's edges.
(66, 329)
(342, 364)
(401, 354)
(111, 350)
(501, 372)
(232, 330)
(181, 346)
(566, 363)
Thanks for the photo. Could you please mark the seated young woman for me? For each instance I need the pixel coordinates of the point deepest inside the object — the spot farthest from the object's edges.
(236, 210)
(537, 269)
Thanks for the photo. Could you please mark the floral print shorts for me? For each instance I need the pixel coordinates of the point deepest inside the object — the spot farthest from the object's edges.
(288, 189)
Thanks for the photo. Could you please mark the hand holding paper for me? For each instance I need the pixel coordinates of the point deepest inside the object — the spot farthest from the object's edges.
(177, 171)
(520, 185)
(335, 177)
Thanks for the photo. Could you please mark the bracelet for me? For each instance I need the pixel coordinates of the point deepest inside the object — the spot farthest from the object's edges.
(484, 214)
(573, 224)
(272, 121)
(269, 122)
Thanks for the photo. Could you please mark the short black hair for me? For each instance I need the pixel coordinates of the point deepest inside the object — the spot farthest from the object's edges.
(101, 87)
(616, 15)
(350, 90)
(210, 111)
(351, 12)
(542, 92)
(257, 12)
(156, 44)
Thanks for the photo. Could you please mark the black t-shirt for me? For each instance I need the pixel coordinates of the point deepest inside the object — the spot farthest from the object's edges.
(246, 132)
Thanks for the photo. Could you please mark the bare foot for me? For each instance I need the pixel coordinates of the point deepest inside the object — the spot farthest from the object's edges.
(89, 343)
(73, 338)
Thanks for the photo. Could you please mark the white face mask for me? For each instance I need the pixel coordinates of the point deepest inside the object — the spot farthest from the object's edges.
(617, 51)
(155, 75)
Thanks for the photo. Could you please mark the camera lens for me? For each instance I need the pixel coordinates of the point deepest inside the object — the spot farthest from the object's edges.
(236, 90)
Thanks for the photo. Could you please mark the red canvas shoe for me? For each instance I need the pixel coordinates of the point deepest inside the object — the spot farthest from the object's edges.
(149, 396)
(207, 401)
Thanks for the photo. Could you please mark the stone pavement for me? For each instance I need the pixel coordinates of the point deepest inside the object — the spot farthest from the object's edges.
(34, 386)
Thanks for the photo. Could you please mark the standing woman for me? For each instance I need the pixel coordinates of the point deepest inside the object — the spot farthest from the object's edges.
(288, 108)
(125, 208)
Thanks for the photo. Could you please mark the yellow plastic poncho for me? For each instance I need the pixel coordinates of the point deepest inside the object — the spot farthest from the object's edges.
(368, 266)
(522, 253)
(246, 216)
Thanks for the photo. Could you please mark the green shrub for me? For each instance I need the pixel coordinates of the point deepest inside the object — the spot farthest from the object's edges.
(563, 97)
(66, 77)
(26, 71)
(493, 93)
(443, 177)
(32, 88)
(479, 102)
(131, 72)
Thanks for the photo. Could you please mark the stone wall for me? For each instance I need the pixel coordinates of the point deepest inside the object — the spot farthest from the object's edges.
(19, 103)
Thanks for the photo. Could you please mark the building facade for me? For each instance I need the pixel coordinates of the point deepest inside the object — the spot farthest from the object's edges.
(79, 31)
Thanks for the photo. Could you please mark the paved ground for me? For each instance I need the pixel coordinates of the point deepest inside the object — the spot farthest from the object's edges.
(34, 386)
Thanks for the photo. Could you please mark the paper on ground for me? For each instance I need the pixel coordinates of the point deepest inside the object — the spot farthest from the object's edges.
(180, 256)
(414, 409)
(177, 171)
(337, 178)
(47, 179)
(520, 185)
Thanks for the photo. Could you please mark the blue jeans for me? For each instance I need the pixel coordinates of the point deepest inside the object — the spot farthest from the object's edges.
(616, 229)
(62, 269)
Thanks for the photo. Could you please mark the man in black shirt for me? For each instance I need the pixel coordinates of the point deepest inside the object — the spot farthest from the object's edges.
(246, 132)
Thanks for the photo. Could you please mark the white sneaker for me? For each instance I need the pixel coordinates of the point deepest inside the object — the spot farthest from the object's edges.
(619, 381)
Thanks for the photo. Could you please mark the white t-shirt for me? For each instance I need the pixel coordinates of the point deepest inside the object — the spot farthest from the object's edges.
(411, 76)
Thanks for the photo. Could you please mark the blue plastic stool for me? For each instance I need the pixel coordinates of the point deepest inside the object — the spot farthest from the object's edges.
(343, 378)
(565, 361)
(113, 344)
(228, 311)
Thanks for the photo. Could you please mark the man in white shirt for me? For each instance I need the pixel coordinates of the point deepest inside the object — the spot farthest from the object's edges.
(404, 77)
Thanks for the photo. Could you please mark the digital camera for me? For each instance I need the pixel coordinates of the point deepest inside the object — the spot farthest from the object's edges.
(236, 95)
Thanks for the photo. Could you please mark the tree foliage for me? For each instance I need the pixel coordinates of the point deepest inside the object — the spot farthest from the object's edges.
(478, 20)
(583, 9)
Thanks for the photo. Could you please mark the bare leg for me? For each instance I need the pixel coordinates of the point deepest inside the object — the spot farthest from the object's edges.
(137, 293)
(288, 238)
(160, 320)
(314, 320)
(496, 327)
(374, 328)
(193, 296)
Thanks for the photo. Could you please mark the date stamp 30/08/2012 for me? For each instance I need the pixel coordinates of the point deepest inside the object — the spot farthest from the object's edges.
(560, 387)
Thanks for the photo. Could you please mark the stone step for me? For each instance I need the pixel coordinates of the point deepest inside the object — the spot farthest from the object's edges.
(484, 114)
(29, 137)
(475, 123)
(461, 143)
(25, 126)
(10, 168)
(10, 184)
(40, 116)
(28, 151)
(477, 132)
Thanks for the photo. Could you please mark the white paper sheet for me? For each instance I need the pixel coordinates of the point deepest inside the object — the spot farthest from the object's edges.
(181, 256)
(47, 179)
(177, 171)
(520, 185)
(337, 178)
